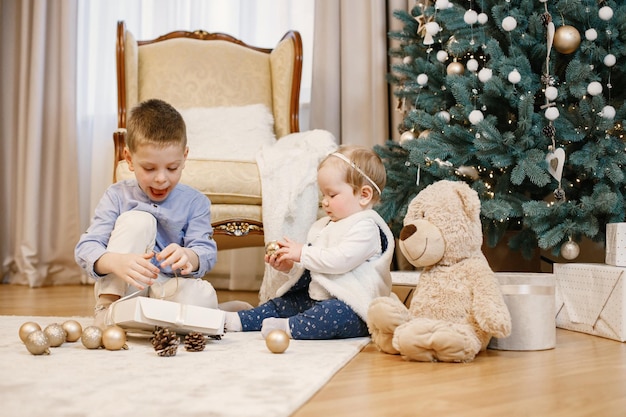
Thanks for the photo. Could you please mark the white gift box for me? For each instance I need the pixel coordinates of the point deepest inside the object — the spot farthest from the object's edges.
(530, 300)
(143, 313)
(591, 298)
(615, 244)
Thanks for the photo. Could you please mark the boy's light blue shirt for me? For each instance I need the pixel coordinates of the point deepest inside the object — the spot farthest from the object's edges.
(184, 217)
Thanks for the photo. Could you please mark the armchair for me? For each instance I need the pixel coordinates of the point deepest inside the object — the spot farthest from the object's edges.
(214, 72)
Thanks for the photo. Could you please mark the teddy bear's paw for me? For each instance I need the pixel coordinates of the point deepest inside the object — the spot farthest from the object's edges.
(385, 314)
(428, 340)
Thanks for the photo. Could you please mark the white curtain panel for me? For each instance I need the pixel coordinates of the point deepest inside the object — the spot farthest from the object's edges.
(39, 221)
(350, 94)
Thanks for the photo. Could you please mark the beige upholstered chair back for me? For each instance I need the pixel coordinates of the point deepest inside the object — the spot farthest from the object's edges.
(191, 72)
(210, 70)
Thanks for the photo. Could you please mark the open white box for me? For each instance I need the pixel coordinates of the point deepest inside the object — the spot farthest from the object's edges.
(143, 313)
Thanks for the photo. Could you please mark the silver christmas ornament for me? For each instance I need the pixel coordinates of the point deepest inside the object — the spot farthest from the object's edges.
(570, 250)
(92, 337)
(56, 334)
(37, 343)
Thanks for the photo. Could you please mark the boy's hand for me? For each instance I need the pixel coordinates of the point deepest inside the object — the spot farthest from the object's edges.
(178, 258)
(136, 269)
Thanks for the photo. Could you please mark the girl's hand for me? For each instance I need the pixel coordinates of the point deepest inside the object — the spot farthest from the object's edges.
(285, 256)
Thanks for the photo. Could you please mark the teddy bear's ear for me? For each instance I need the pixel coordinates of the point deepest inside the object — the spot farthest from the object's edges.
(469, 199)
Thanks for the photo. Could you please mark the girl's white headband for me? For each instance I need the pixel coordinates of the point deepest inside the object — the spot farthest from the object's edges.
(359, 170)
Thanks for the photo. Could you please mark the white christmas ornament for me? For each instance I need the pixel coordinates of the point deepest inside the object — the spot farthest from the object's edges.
(483, 18)
(432, 28)
(594, 88)
(514, 76)
(407, 60)
(442, 56)
(551, 93)
(591, 34)
(470, 17)
(610, 60)
(444, 115)
(485, 74)
(476, 116)
(422, 79)
(608, 112)
(442, 4)
(472, 65)
(605, 13)
(552, 113)
(509, 23)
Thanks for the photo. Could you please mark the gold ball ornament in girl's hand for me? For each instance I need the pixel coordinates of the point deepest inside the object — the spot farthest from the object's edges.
(271, 247)
(277, 341)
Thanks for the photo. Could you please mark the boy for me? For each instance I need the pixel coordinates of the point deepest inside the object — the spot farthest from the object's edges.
(149, 229)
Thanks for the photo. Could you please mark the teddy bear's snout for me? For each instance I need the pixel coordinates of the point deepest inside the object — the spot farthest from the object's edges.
(407, 231)
(422, 243)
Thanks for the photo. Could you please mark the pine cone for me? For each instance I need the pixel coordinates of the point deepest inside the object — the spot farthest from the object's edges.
(195, 342)
(165, 341)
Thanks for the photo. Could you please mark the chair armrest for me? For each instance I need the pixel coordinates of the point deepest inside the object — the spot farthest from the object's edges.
(119, 141)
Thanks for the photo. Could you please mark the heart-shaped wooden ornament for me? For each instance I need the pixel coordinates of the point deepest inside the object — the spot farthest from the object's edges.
(556, 160)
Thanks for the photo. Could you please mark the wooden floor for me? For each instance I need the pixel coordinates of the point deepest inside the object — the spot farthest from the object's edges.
(584, 376)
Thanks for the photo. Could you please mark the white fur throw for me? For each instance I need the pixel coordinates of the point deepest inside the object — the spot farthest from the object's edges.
(228, 133)
(288, 171)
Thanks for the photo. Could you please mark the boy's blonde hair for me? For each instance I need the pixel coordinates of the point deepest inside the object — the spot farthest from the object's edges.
(155, 122)
(367, 161)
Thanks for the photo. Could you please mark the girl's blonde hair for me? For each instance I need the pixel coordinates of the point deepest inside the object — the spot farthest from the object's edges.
(363, 159)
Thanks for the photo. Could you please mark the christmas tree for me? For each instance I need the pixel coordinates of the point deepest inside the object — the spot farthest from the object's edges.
(522, 99)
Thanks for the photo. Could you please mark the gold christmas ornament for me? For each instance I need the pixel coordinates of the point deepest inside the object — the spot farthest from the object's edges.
(37, 343)
(277, 341)
(271, 247)
(92, 337)
(566, 39)
(424, 134)
(114, 338)
(56, 334)
(73, 329)
(27, 328)
(455, 68)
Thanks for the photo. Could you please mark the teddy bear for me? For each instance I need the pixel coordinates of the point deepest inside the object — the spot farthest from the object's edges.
(457, 305)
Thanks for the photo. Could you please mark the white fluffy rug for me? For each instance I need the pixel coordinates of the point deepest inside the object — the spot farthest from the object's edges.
(236, 376)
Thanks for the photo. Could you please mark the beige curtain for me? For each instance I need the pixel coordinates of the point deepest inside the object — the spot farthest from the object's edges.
(350, 94)
(39, 210)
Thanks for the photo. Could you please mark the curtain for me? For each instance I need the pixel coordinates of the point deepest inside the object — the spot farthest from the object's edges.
(350, 95)
(39, 220)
